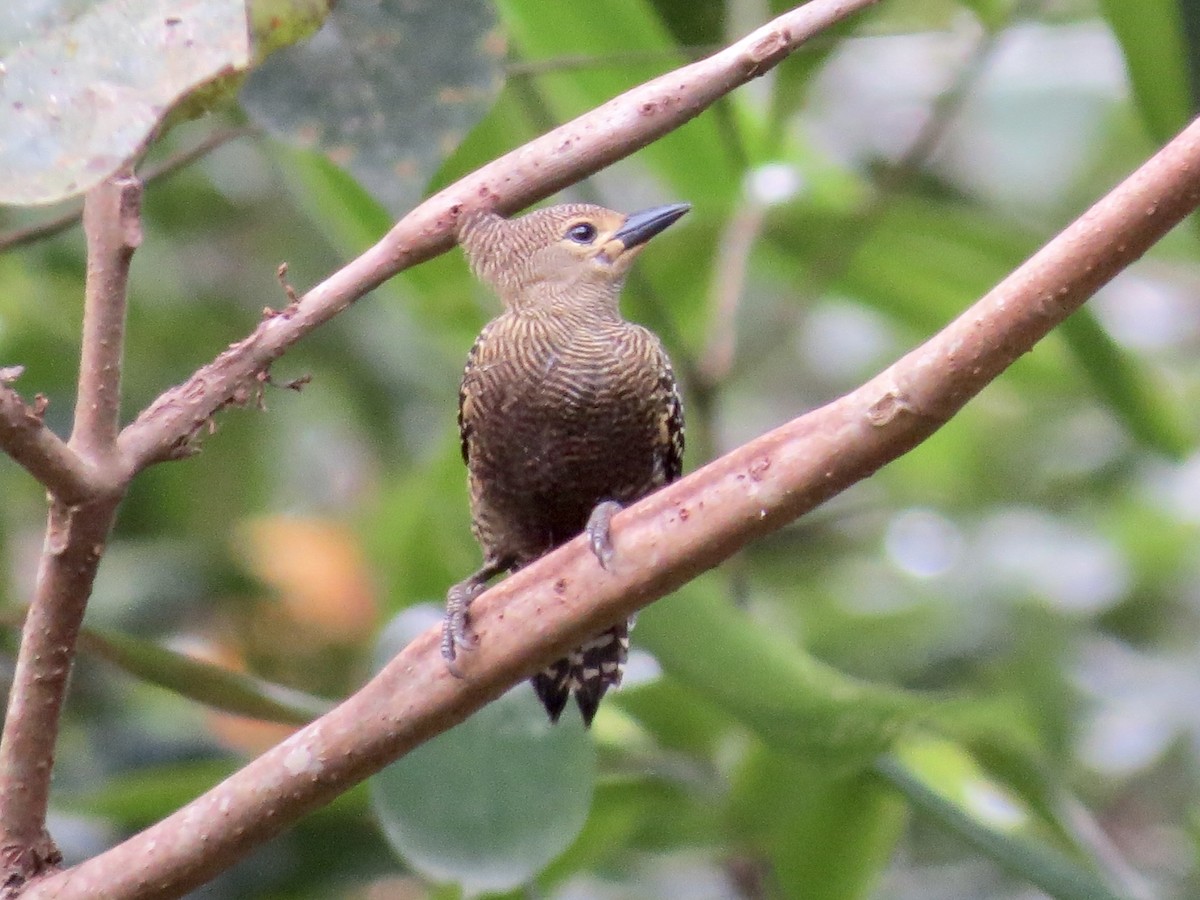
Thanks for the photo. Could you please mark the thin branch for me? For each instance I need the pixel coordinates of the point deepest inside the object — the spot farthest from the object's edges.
(76, 533)
(530, 173)
(112, 222)
(574, 62)
(25, 437)
(670, 537)
(40, 231)
(943, 113)
(729, 283)
(60, 223)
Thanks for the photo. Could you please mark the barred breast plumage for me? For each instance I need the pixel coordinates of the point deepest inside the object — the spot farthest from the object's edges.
(566, 411)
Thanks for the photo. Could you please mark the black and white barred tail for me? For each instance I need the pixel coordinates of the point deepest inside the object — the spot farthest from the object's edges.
(588, 672)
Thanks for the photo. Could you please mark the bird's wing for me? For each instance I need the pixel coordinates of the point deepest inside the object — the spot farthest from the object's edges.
(466, 393)
(672, 429)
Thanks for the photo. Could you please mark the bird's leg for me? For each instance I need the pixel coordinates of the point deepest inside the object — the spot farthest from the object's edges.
(599, 531)
(456, 633)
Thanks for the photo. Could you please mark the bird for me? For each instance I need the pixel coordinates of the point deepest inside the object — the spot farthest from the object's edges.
(567, 412)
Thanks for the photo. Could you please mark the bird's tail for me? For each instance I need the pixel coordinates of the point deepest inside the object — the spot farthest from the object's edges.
(587, 671)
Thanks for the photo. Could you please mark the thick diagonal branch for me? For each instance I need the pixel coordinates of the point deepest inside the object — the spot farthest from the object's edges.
(673, 535)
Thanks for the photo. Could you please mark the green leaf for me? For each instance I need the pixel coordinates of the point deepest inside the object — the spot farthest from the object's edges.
(1156, 54)
(613, 34)
(140, 797)
(386, 89)
(280, 23)
(83, 91)
(795, 811)
(792, 701)
(1128, 389)
(942, 780)
(493, 801)
(204, 682)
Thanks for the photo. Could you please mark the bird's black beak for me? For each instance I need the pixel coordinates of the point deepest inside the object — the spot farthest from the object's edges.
(641, 226)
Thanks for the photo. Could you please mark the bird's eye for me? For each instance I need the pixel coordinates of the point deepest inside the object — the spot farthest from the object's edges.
(583, 233)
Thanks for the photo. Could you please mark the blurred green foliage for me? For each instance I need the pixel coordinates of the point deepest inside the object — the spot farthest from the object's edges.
(974, 672)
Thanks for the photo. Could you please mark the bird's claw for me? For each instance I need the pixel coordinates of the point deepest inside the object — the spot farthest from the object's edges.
(456, 630)
(599, 532)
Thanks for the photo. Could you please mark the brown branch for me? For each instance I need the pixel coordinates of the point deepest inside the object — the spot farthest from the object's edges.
(76, 532)
(112, 222)
(25, 437)
(663, 541)
(530, 173)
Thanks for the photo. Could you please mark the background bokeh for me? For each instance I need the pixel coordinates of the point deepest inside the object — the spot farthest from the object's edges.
(1034, 563)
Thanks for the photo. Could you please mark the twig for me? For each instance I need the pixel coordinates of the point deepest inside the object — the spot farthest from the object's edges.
(581, 61)
(729, 281)
(673, 535)
(112, 222)
(25, 437)
(536, 170)
(892, 179)
(42, 230)
(76, 533)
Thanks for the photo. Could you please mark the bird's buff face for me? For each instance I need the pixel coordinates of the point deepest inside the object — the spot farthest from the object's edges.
(572, 249)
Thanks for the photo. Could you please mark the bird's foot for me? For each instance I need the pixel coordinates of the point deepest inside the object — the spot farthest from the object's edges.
(456, 630)
(599, 532)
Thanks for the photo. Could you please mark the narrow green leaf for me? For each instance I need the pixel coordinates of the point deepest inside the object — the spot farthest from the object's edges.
(798, 812)
(204, 682)
(792, 701)
(141, 796)
(941, 780)
(1156, 54)
(622, 38)
(1127, 388)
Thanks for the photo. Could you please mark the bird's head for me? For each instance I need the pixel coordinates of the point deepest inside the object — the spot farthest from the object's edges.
(575, 253)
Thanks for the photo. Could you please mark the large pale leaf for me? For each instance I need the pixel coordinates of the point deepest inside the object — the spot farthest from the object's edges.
(491, 802)
(86, 87)
(205, 682)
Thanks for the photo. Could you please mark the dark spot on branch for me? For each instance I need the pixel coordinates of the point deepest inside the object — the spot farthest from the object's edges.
(759, 467)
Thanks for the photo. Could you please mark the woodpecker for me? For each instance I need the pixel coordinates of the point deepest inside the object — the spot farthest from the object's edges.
(567, 412)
